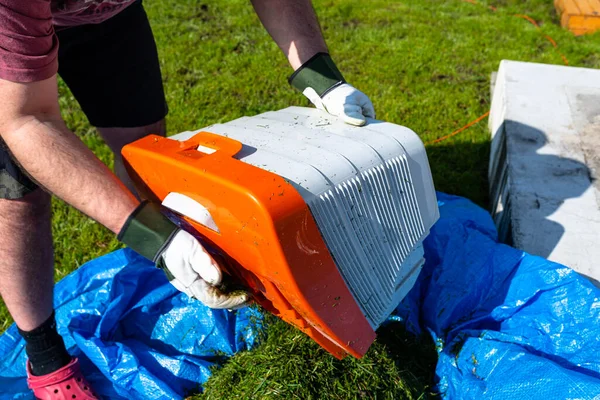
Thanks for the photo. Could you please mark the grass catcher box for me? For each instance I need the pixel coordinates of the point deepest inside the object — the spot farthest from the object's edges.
(322, 221)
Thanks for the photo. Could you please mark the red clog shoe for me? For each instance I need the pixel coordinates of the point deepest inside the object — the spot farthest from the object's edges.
(66, 383)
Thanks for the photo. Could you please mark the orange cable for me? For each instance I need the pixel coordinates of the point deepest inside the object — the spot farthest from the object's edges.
(551, 41)
(470, 124)
(528, 18)
(534, 23)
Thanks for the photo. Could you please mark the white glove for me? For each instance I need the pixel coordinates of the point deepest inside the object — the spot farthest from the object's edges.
(344, 101)
(197, 274)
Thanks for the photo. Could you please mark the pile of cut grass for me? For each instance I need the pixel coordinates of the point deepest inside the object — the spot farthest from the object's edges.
(289, 365)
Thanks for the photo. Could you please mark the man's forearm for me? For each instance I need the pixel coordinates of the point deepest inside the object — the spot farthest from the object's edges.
(294, 27)
(56, 159)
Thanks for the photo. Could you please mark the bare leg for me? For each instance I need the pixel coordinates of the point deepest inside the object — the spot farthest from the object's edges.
(26, 261)
(26, 255)
(116, 138)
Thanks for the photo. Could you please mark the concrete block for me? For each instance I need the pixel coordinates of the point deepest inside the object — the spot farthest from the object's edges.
(545, 160)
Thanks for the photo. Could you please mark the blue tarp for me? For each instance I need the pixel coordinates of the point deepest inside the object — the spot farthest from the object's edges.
(507, 325)
(136, 336)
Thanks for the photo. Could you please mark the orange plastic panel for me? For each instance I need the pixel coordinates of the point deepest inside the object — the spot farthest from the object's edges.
(579, 16)
(267, 234)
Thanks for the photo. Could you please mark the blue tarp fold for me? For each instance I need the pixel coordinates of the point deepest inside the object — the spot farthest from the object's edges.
(507, 325)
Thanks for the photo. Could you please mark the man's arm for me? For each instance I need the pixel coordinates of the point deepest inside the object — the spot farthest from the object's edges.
(31, 126)
(294, 27)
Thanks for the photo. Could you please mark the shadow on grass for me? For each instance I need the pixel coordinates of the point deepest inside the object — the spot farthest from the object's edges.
(461, 169)
(415, 357)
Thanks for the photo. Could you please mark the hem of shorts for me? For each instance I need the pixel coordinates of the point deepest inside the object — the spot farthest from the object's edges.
(20, 194)
(128, 124)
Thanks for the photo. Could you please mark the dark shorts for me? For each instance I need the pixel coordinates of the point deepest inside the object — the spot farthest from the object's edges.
(113, 71)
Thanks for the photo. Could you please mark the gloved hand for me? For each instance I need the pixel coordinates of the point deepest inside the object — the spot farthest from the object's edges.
(320, 80)
(183, 259)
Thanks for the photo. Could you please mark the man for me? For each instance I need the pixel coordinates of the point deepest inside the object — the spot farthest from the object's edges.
(105, 52)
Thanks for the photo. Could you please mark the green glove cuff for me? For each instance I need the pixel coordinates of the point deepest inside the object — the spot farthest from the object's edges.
(319, 73)
(148, 232)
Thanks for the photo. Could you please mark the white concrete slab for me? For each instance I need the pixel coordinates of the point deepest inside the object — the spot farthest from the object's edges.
(545, 124)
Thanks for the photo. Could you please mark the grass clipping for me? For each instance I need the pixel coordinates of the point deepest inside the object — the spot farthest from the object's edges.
(289, 365)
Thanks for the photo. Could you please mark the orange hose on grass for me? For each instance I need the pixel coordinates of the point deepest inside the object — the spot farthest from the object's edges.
(531, 21)
(456, 132)
(528, 19)
(551, 40)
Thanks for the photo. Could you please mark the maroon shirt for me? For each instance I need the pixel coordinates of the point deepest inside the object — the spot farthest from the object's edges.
(28, 44)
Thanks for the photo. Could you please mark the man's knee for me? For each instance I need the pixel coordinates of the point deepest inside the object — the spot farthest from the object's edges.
(116, 138)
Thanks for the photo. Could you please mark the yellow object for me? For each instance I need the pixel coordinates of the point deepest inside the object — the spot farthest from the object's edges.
(579, 16)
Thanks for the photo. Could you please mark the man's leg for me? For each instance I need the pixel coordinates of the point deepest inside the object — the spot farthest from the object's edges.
(116, 138)
(26, 267)
(26, 264)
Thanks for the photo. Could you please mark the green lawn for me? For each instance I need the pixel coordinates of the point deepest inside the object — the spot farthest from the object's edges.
(424, 63)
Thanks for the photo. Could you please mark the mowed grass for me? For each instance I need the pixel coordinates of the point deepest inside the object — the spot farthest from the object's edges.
(425, 64)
